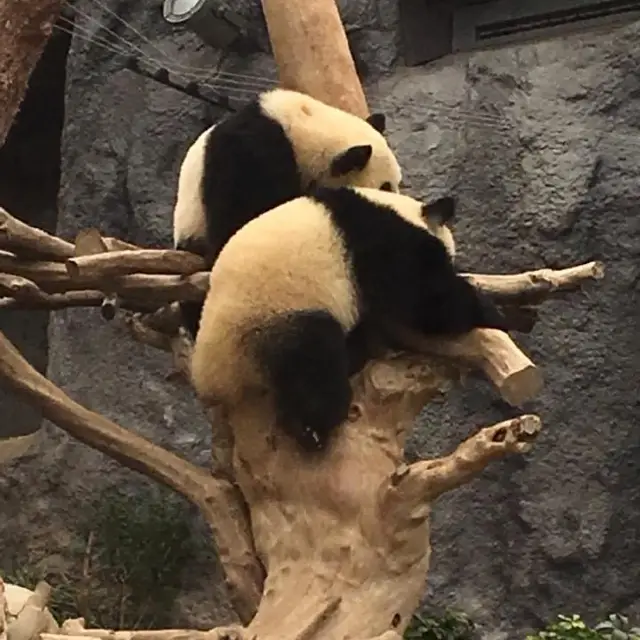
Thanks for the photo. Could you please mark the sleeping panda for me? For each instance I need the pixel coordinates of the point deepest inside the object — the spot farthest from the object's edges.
(290, 288)
(267, 153)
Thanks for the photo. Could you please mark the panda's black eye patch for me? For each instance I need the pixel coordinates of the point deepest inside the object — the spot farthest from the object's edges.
(385, 186)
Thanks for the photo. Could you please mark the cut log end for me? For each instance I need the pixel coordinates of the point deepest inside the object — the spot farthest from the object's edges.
(72, 267)
(521, 386)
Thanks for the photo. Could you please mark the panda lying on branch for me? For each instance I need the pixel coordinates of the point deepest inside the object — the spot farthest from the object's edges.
(266, 154)
(292, 287)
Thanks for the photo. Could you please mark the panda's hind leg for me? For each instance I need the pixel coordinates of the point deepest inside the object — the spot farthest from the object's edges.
(304, 359)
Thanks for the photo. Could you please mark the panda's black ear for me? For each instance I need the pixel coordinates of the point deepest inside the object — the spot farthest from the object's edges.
(353, 159)
(440, 211)
(378, 121)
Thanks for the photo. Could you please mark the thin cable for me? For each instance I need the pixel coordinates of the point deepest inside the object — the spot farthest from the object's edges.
(463, 115)
(107, 46)
(240, 92)
(249, 80)
(91, 37)
(225, 79)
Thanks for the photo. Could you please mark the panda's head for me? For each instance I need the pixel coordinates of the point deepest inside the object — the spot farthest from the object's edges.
(371, 164)
(334, 148)
(436, 216)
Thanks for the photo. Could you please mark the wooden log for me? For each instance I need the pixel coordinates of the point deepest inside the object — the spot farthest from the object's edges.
(532, 287)
(53, 277)
(89, 243)
(23, 239)
(312, 53)
(33, 618)
(512, 373)
(119, 263)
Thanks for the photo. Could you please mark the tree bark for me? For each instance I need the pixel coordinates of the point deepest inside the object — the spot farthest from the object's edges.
(312, 52)
(25, 27)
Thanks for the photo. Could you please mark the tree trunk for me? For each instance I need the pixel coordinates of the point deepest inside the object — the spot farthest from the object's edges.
(312, 52)
(25, 27)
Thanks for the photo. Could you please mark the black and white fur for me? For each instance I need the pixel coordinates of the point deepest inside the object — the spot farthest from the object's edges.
(268, 153)
(289, 289)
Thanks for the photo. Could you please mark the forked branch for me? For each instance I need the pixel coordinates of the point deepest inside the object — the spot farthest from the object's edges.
(412, 488)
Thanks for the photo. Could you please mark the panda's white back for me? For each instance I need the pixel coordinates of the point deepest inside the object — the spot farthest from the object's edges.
(290, 258)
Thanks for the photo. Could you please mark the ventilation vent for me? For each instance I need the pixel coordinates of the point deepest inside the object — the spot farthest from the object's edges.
(506, 21)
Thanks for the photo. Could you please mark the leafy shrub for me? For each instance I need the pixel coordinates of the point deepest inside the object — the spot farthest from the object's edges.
(616, 627)
(457, 626)
(451, 626)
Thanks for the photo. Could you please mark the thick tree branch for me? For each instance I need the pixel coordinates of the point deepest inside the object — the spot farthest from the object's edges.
(536, 286)
(120, 263)
(412, 488)
(18, 237)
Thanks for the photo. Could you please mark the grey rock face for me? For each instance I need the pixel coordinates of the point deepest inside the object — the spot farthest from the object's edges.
(540, 143)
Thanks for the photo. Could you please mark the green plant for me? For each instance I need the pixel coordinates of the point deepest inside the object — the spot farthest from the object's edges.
(451, 626)
(616, 627)
(126, 567)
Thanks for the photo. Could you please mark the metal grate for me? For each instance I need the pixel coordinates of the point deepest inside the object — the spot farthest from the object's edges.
(507, 21)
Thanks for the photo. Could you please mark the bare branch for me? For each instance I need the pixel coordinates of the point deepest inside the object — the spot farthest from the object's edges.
(411, 488)
(536, 286)
(120, 263)
(98, 432)
(21, 238)
(494, 352)
(93, 235)
(56, 301)
(89, 243)
(52, 277)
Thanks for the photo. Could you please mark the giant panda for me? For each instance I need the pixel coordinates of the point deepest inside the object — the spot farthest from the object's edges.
(291, 286)
(267, 153)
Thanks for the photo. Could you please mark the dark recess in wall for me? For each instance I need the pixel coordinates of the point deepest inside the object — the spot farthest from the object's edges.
(29, 184)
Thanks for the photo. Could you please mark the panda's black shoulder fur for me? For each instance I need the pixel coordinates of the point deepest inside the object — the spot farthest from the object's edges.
(402, 272)
(249, 168)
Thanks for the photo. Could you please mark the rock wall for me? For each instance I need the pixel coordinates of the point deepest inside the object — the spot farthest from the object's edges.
(540, 143)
